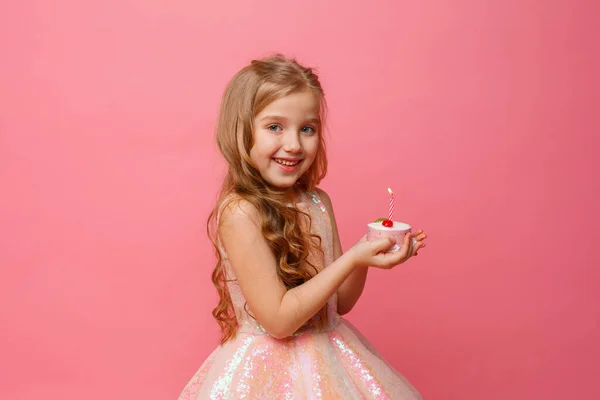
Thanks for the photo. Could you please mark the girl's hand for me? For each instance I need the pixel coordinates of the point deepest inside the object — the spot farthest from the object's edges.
(372, 253)
(419, 237)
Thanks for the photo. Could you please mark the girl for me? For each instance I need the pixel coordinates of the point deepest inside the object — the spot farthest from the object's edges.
(281, 276)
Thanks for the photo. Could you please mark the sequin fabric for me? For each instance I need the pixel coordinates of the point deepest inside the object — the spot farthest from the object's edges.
(332, 362)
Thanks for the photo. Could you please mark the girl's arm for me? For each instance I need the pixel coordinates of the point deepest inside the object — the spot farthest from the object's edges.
(349, 292)
(281, 312)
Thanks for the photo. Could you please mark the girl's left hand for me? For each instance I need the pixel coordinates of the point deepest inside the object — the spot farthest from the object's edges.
(419, 236)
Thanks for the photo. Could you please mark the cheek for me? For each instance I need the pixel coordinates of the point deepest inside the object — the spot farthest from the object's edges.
(257, 156)
(312, 147)
(263, 158)
(252, 154)
(266, 146)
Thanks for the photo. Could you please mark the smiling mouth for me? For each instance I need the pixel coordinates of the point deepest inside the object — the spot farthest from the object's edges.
(288, 163)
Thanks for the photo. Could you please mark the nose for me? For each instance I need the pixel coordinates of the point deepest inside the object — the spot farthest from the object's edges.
(292, 143)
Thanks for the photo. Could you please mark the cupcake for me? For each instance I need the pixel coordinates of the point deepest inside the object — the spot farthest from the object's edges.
(383, 228)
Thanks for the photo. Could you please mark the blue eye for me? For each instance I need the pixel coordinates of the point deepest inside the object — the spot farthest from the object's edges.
(308, 129)
(274, 128)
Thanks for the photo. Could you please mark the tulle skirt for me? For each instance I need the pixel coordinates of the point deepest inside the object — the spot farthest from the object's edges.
(336, 364)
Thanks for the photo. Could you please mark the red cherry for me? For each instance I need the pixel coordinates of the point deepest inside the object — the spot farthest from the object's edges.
(387, 223)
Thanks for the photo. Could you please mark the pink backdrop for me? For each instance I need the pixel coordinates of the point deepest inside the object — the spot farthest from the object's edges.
(478, 115)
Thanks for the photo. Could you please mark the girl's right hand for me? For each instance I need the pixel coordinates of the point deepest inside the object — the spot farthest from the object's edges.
(372, 253)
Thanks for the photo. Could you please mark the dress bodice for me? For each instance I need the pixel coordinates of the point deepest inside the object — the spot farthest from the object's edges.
(320, 225)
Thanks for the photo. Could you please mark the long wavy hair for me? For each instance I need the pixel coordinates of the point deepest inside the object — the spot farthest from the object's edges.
(247, 94)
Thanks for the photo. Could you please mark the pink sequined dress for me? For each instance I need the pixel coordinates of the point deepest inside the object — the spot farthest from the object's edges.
(334, 362)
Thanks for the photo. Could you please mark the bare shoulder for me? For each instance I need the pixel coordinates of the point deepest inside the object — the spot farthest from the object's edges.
(236, 211)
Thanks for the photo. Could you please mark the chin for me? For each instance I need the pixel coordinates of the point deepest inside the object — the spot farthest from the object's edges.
(283, 182)
(283, 185)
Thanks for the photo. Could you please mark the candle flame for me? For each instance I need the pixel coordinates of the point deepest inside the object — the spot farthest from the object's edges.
(390, 191)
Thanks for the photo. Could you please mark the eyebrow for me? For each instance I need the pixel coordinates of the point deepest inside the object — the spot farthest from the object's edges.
(316, 120)
(273, 117)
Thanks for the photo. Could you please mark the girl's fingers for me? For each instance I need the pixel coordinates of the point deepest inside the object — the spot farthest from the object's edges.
(419, 235)
(403, 254)
(418, 247)
(381, 245)
(407, 250)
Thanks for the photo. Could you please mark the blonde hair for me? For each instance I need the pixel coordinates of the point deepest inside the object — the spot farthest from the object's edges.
(247, 94)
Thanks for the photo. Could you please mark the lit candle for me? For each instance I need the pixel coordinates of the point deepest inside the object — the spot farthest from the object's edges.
(391, 210)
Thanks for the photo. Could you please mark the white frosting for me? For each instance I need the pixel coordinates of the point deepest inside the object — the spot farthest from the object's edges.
(398, 226)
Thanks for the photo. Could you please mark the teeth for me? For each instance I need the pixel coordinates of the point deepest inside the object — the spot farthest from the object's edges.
(288, 163)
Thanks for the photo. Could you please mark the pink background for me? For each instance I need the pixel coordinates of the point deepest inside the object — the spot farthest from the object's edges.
(480, 116)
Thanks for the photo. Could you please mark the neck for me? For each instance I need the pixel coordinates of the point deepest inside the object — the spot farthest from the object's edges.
(288, 195)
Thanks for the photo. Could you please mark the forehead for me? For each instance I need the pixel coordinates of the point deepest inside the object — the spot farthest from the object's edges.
(304, 104)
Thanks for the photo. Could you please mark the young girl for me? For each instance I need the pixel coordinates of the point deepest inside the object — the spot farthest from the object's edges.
(281, 276)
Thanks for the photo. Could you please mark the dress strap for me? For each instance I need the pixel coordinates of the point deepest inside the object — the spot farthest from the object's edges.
(317, 200)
